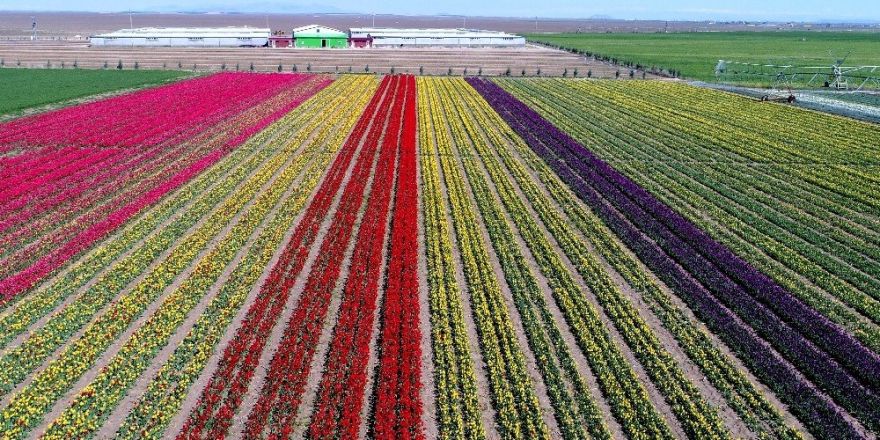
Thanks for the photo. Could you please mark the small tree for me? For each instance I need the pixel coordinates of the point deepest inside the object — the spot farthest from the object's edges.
(136, 65)
(349, 69)
(392, 70)
(280, 67)
(237, 67)
(252, 66)
(2, 62)
(48, 64)
(119, 65)
(337, 69)
(18, 63)
(575, 73)
(565, 72)
(164, 65)
(294, 68)
(223, 66)
(421, 70)
(632, 74)
(367, 68)
(76, 64)
(538, 73)
(590, 73)
(465, 71)
(523, 73)
(179, 65)
(309, 67)
(480, 71)
(449, 72)
(105, 65)
(617, 74)
(507, 72)
(643, 74)
(62, 64)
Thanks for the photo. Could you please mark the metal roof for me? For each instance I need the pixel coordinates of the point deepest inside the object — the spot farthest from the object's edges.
(162, 32)
(316, 30)
(430, 33)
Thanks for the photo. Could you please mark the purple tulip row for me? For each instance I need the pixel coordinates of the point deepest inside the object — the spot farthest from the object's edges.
(690, 262)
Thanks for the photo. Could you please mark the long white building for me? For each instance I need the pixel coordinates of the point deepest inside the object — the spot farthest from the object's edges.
(391, 37)
(193, 37)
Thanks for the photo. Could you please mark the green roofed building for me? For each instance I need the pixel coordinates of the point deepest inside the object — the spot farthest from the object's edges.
(319, 36)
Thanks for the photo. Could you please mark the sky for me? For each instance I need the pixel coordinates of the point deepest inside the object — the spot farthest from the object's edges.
(752, 10)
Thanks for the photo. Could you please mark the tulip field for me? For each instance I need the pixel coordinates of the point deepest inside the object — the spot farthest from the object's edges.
(290, 255)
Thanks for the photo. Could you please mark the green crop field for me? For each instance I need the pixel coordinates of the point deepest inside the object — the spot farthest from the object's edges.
(696, 54)
(24, 88)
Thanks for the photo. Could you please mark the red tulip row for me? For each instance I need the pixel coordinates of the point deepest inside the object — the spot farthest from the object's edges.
(398, 407)
(86, 205)
(147, 117)
(341, 392)
(212, 415)
(285, 382)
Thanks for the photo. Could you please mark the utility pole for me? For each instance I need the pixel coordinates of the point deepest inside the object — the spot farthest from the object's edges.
(536, 24)
(130, 21)
(33, 28)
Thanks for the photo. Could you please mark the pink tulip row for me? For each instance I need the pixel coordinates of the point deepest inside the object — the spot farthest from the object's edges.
(58, 212)
(147, 117)
(131, 169)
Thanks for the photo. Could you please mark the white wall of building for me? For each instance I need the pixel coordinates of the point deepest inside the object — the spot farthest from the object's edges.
(390, 37)
(184, 37)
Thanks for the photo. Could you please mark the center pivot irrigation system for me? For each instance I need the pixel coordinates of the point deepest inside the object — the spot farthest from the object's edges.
(784, 77)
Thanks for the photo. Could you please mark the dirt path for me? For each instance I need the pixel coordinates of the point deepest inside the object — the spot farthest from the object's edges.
(62, 403)
(433, 61)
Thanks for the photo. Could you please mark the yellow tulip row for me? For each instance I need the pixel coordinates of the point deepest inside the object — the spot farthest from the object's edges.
(515, 402)
(28, 406)
(165, 394)
(94, 404)
(697, 417)
(458, 411)
(741, 395)
(576, 413)
(629, 399)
